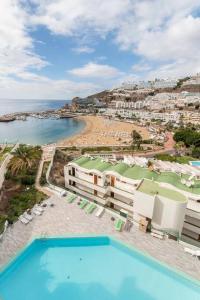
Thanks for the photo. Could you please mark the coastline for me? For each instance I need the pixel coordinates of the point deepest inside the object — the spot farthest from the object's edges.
(100, 131)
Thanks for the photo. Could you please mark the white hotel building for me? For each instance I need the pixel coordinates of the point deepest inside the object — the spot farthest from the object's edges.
(136, 192)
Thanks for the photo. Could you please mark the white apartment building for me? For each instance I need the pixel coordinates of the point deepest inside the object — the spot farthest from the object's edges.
(173, 116)
(129, 104)
(193, 80)
(157, 84)
(121, 187)
(164, 83)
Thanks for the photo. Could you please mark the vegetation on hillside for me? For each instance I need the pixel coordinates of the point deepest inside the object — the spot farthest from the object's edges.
(136, 138)
(18, 191)
(190, 137)
(43, 180)
(174, 158)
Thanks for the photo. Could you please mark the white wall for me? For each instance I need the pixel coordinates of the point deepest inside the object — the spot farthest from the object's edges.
(168, 214)
(144, 204)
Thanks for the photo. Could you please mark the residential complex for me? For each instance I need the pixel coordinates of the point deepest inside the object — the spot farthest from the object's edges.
(156, 84)
(162, 199)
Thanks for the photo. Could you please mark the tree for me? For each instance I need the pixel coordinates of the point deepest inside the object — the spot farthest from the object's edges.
(150, 165)
(179, 147)
(137, 138)
(24, 158)
(196, 152)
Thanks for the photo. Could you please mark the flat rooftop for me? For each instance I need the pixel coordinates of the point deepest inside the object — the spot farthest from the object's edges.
(137, 173)
(152, 188)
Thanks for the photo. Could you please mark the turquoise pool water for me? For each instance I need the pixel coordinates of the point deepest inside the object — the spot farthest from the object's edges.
(195, 163)
(95, 268)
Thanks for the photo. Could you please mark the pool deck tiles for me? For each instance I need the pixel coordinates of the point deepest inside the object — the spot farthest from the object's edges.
(65, 219)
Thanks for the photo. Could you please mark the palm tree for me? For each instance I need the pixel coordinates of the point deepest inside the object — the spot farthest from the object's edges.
(150, 165)
(24, 158)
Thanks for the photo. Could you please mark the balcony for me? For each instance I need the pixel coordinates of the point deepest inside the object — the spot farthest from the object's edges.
(87, 184)
(127, 195)
(87, 195)
(191, 227)
(121, 204)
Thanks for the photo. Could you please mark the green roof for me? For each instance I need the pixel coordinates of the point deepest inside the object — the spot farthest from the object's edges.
(88, 163)
(119, 168)
(138, 173)
(152, 188)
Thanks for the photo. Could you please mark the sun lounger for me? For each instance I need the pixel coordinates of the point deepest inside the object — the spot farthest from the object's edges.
(119, 224)
(71, 198)
(39, 208)
(83, 203)
(27, 216)
(100, 212)
(36, 212)
(193, 252)
(23, 220)
(89, 209)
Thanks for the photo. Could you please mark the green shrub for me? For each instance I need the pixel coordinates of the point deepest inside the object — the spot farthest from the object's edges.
(3, 219)
(23, 201)
(28, 180)
(196, 152)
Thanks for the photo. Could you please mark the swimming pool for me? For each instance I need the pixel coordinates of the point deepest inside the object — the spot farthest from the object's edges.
(91, 268)
(195, 163)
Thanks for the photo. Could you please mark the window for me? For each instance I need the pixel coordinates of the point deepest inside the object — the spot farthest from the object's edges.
(73, 171)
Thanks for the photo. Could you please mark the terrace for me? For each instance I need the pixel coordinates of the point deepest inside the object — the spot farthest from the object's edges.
(69, 220)
(152, 188)
(139, 173)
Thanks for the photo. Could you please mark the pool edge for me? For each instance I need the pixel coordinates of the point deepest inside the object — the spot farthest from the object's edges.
(111, 238)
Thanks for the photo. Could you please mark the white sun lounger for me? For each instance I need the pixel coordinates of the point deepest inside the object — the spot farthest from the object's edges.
(36, 212)
(100, 212)
(27, 216)
(193, 252)
(39, 208)
(23, 220)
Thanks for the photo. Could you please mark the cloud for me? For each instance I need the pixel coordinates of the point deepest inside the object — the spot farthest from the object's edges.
(16, 45)
(141, 67)
(94, 70)
(44, 88)
(83, 49)
(163, 32)
(164, 35)
(68, 17)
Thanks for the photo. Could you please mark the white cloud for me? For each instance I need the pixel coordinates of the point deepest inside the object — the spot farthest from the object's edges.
(83, 49)
(94, 70)
(70, 17)
(160, 31)
(165, 34)
(16, 46)
(44, 88)
(141, 67)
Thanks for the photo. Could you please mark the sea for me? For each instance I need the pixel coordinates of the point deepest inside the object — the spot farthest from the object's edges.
(35, 131)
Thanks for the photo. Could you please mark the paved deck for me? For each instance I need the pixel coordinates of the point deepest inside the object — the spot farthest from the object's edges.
(68, 219)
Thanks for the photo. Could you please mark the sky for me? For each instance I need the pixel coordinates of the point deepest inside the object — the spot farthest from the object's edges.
(59, 49)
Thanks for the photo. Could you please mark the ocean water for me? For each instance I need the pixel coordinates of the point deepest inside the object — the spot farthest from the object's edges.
(95, 268)
(10, 106)
(36, 131)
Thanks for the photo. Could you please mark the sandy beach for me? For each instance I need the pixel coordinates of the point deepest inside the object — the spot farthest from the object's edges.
(100, 131)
